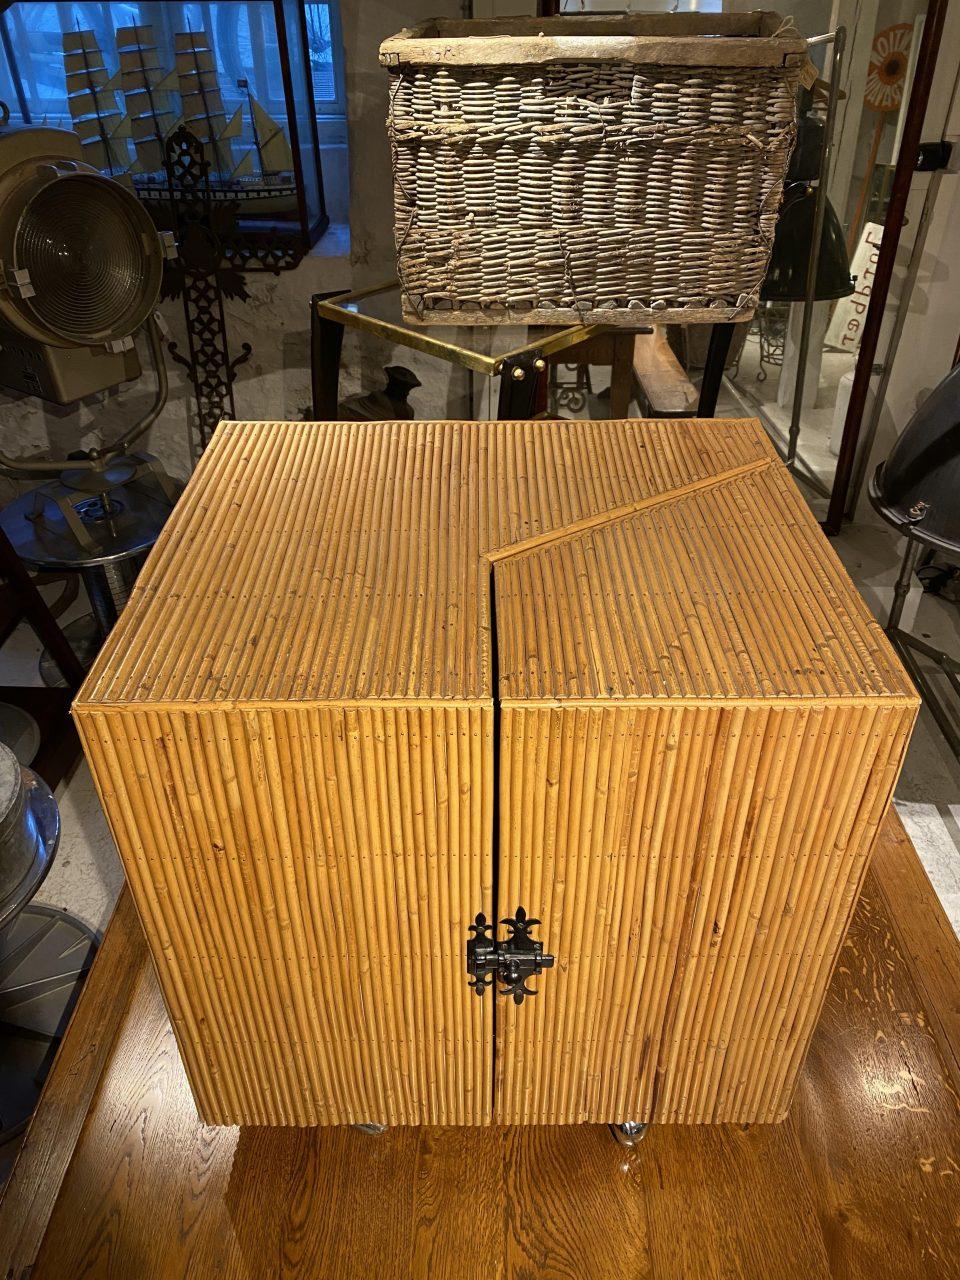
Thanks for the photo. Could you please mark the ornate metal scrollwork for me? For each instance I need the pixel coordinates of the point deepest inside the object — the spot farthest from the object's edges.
(510, 962)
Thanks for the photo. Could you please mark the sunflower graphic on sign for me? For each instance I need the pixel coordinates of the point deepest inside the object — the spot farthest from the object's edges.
(888, 67)
(886, 76)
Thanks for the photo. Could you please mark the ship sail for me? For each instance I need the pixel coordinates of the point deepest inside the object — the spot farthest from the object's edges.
(270, 141)
(202, 104)
(245, 169)
(92, 103)
(148, 96)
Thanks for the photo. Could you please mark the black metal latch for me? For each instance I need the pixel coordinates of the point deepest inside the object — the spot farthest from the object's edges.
(512, 961)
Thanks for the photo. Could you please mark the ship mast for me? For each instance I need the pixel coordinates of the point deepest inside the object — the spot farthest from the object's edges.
(101, 128)
(274, 149)
(245, 84)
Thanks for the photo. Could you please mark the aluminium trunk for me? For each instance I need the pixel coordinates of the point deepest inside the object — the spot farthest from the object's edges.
(376, 678)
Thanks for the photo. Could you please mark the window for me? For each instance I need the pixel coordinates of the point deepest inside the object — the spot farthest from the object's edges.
(326, 57)
(325, 44)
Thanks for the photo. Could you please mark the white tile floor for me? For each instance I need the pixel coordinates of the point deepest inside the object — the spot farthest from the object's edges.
(86, 877)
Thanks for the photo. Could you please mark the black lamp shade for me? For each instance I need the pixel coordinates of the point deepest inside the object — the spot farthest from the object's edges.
(924, 468)
(786, 278)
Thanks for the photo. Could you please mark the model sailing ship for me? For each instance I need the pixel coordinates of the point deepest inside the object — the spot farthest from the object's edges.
(158, 100)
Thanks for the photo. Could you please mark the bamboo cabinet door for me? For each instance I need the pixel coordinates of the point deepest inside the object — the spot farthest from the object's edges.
(694, 871)
(598, 840)
(306, 877)
(693, 852)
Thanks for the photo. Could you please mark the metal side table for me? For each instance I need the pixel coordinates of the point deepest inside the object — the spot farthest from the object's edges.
(104, 535)
(490, 350)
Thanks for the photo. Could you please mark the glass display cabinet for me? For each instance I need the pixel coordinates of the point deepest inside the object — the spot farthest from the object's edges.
(239, 76)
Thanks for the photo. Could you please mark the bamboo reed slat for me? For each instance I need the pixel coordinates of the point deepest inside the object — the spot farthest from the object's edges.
(291, 729)
(696, 902)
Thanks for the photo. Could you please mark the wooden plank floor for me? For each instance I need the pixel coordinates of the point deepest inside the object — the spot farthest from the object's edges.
(862, 1180)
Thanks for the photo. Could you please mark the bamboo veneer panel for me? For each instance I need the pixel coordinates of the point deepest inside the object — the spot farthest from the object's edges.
(695, 869)
(344, 561)
(715, 592)
(319, 764)
(306, 879)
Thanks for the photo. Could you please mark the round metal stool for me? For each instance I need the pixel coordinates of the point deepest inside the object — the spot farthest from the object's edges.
(99, 524)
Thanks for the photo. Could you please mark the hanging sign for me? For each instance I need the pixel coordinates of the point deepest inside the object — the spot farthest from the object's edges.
(846, 324)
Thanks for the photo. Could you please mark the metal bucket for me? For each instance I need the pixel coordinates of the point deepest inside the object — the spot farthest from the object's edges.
(29, 834)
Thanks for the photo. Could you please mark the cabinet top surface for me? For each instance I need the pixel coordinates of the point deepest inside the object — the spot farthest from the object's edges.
(352, 562)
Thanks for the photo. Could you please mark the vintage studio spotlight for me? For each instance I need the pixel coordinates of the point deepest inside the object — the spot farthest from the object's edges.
(80, 271)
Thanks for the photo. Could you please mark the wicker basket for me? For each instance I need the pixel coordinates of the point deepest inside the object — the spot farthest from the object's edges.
(594, 168)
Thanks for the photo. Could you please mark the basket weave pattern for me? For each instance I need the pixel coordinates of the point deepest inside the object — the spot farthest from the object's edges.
(584, 187)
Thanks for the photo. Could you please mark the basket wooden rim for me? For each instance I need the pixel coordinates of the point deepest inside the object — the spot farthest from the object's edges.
(635, 318)
(760, 38)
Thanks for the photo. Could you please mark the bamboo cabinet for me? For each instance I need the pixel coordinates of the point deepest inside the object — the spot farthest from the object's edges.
(377, 679)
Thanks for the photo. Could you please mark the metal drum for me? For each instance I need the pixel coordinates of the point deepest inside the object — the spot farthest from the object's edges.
(45, 954)
(29, 834)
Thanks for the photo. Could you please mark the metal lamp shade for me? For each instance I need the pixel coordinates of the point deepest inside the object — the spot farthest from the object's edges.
(93, 259)
(82, 257)
(919, 484)
(81, 265)
(786, 278)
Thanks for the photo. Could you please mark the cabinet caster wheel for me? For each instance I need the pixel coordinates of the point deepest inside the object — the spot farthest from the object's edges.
(629, 1133)
(370, 1128)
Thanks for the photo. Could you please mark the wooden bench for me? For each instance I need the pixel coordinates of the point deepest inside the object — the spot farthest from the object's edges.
(661, 385)
(644, 368)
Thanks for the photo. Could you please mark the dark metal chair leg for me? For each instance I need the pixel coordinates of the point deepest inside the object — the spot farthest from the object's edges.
(38, 614)
(911, 554)
(519, 384)
(326, 344)
(720, 338)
